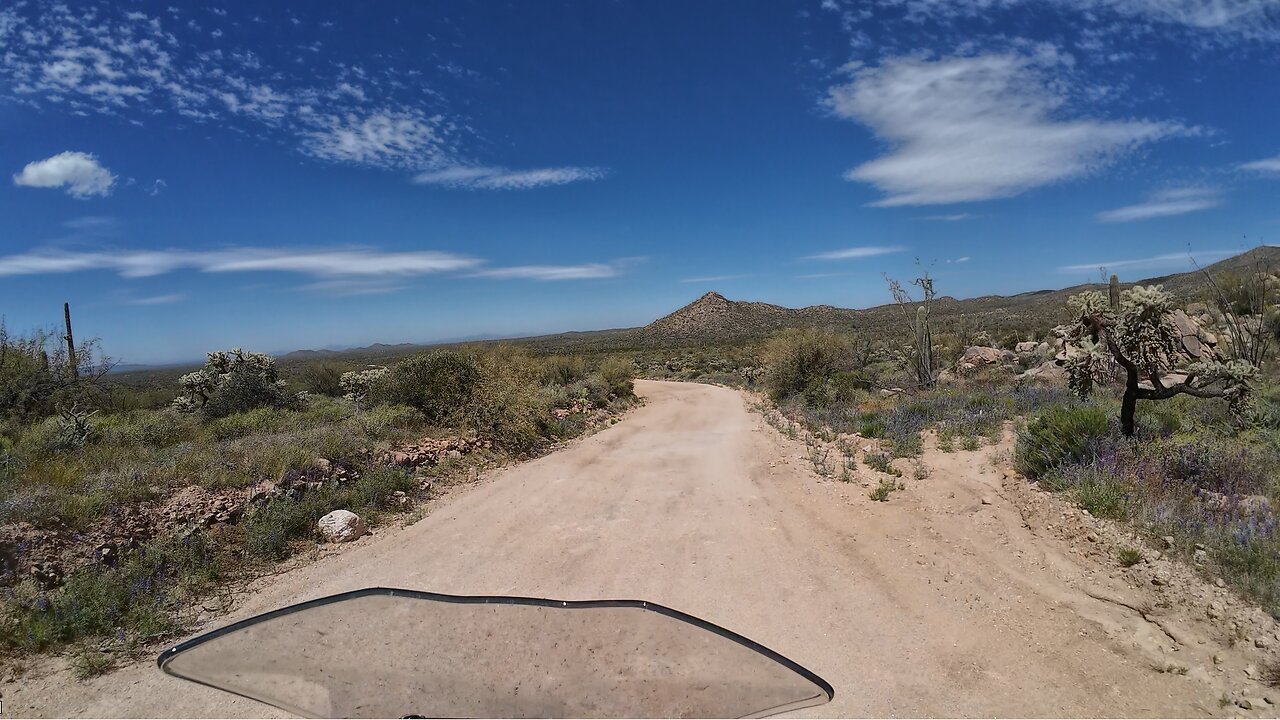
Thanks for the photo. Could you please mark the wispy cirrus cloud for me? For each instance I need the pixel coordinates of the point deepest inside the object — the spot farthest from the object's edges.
(385, 111)
(1265, 166)
(954, 217)
(80, 174)
(337, 271)
(978, 127)
(102, 60)
(157, 299)
(1165, 203)
(1170, 260)
(854, 253)
(1216, 20)
(497, 178)
(346, 262)
(586, 271)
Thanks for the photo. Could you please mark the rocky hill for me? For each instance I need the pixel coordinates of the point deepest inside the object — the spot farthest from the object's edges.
(713, 318)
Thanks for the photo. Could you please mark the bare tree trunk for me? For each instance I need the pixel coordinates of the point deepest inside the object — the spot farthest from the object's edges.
(71, 343)
(1129, 405)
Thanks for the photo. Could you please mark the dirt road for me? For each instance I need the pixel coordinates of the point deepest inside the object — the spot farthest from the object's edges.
(943, 601)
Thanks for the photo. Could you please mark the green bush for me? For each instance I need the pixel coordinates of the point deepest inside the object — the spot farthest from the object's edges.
(1101, 493)
(268, 530)
(243, 424)
(798, 358)
(149, 428)
(1064, 433)
(323, 378)
(508, 410)
(618, 375)
(564, 369)
(437, 383)
(381, 421)
(231, 382)
(134, 598)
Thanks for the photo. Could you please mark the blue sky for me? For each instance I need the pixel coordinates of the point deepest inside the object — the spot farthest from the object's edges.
(200, 176)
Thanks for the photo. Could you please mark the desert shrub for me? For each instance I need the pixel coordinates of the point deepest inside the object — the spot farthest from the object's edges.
(1067, 433)
(438, 384)
(36, 377)
(882, 462)
(323, 378)
(381, 421)
(618, 374)
(134, 599)
(232, 382)
(150, 428)
(564, 369)
(243, 424)
(1095, 489)
(47, 437)
(1129, 557)
(508, 410)
(798, 359)
(882, 491)
(595, 391)
(269, 529)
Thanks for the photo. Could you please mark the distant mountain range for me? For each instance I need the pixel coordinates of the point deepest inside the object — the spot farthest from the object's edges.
(714, 319)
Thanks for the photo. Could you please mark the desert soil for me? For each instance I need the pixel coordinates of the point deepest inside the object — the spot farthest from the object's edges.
(968, 593)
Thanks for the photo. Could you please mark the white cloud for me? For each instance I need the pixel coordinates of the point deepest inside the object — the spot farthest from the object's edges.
(1228, 19)
(956, 217)
(353, 287)
(1259, 19)
(587, 271)
(1155, 261)
(381, 111)
(91, 224)
(978, 127)
(496, 178)
(80, 173)
(338, 271)
(384, 138)
(1266, 166)
(319, 263)
(158, 299)
(856, 252)
(1177, 201)
(959, 260)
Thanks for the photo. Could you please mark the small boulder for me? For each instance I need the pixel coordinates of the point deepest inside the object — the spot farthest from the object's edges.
(341, 526)
(1048, 372)
(979, 355)
(1026, 348)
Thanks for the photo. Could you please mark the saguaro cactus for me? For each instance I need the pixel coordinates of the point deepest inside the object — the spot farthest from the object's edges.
(1114, 291)
(72, 364)
(924, 346)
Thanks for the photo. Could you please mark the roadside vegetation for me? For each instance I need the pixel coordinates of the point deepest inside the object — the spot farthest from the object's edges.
(117, 513)
(1144, 408)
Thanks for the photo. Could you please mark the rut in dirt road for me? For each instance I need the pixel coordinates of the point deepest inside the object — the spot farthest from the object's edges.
(931, 604)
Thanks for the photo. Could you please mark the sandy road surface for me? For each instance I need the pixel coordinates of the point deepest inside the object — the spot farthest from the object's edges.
(931, 604)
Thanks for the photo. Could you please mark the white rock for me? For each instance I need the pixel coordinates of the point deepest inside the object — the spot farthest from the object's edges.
(341, 526)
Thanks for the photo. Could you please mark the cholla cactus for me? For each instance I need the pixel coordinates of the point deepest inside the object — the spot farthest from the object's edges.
(1141, 337)
(357, 384)
(230, 382)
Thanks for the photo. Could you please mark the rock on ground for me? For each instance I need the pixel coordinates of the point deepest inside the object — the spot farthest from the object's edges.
(341, 526)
